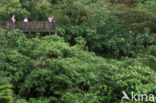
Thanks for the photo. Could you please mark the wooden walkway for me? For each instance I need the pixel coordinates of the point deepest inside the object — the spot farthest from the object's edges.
(32, 26)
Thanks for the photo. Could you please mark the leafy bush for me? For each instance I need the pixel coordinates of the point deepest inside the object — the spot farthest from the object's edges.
(135, 18)
(106, 39)
(151, 4)
(53, 69)
(21, 101)
(128, 2)
(128, 75)
(5, 89)
(8, 8)
(152, 49)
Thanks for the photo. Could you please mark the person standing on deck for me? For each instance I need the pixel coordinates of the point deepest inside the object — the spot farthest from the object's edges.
(12, 20)
(53, 21)
(25, 23)
(50, 19)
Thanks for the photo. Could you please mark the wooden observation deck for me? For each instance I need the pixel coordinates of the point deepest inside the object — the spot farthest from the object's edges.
(32, 26)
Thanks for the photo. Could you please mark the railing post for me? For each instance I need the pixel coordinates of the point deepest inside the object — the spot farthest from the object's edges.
(46, 25)
(7, 26)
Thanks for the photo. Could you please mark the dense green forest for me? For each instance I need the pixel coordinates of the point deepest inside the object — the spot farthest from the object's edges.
(101, 48)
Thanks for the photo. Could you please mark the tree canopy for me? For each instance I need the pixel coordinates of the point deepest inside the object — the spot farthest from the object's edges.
(101, 48)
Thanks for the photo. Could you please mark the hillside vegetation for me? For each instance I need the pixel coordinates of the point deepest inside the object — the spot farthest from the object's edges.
(102, 47)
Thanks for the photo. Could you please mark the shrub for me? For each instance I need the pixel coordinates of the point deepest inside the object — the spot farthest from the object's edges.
(46, 69)
(8, 8)
(5, 89)
(151, 50)
(128, 2)
(36, 83)
(135, 18)
(128, 75)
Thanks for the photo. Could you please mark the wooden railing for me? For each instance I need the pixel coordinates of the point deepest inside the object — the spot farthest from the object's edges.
(31, 26)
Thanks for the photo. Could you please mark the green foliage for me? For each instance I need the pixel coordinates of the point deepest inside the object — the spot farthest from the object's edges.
(106, 27)
(128, 76)
(36, 83)
(107, 36)
(135, 18)
(12, 7)
(39, 100)
(49, 70)
(152, 49)
(71, 13)
(81, 43)
(53, 69)
(5, 94)
(151, 4)
(131, 3)
(5, 89)
(40, 11)
(69, 97)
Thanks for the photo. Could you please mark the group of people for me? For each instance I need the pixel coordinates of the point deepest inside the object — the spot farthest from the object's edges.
(13, 20)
